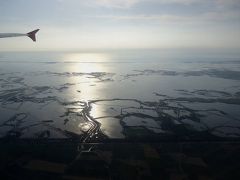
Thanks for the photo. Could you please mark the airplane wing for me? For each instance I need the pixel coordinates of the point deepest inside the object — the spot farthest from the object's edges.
(31, 35)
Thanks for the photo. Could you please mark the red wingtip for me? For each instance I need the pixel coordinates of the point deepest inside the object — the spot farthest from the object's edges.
(32, 34)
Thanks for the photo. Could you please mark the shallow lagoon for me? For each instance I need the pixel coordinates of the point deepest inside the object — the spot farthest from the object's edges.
(119, 94)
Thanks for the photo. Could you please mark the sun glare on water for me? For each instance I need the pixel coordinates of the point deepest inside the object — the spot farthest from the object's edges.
(87, 57)
(87, 84)
(86, 62)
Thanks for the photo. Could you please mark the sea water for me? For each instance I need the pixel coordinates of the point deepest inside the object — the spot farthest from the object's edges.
(120, 94)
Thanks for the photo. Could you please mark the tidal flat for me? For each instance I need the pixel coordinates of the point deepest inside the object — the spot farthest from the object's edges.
(118, 97)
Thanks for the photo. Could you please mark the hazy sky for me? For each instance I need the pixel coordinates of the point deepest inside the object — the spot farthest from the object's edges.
(78, 24)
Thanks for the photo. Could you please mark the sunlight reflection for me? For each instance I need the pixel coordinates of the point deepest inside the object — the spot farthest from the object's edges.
(84, 126)
(88, 62)
(87, 57)
(88, 86)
